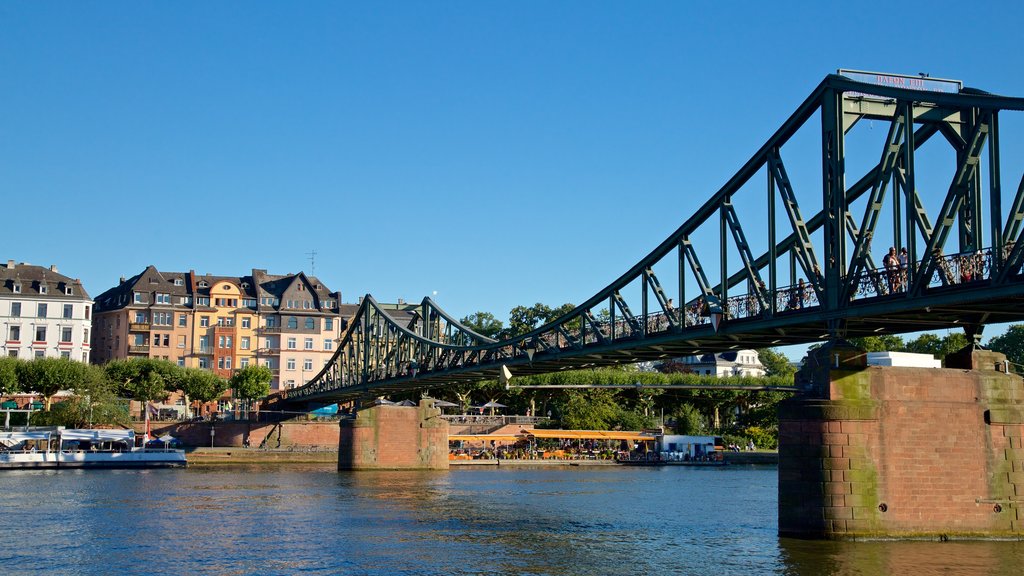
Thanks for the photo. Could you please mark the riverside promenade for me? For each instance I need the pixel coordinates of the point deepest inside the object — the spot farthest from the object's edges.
(320, 455)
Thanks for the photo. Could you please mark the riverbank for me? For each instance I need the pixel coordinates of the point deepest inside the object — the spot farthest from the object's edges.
(222, 456)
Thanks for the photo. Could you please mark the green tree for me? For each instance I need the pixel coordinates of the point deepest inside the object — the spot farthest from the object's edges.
(884, 343)
(201, 385)
(9, 375)
(483, 323)
(143, 379)
(938, 347)
(47, 376)
(688, 420)
(775, 363)
(252, 382)
(1010, 343)
(93, 403)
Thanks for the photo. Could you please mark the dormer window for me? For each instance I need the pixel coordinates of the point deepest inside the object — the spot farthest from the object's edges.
(203, 284)
(68, 290)
(301, 287)
(179, 282)
(245, 284)
(42, 288)
(16, 287)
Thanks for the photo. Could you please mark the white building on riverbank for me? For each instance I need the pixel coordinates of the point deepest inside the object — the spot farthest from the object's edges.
(43, 314)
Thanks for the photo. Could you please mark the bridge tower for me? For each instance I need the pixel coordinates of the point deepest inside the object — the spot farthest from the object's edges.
(890, 452)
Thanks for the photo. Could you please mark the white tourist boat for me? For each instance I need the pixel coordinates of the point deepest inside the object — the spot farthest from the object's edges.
(91, 448)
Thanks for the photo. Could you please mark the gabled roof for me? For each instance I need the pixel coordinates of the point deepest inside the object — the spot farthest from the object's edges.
(31, 280)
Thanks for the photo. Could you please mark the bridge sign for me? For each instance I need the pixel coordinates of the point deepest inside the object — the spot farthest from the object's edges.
(919, 82)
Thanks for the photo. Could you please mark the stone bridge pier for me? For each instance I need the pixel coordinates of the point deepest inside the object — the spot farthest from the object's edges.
(394, 438)
(889, 452)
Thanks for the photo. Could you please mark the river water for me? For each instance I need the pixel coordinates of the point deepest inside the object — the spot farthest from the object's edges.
(314, 520)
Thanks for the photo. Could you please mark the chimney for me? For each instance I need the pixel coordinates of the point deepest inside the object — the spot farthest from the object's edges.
(53, 267)
(122, 280)
(401, 301)
(10, 264)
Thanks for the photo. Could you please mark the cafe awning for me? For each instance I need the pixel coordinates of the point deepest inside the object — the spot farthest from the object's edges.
(485, 437)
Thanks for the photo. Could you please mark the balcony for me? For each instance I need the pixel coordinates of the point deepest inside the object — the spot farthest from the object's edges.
(268, 351)
(138, 349)
(138, 327)
(203, 350)
(269, 330)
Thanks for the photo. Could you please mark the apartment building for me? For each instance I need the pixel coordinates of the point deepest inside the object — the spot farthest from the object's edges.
(290, 323)
(300, 323)
(44, 314)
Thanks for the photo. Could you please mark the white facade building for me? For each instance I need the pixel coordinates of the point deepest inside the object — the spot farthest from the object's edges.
(43, 314)
(724, 364)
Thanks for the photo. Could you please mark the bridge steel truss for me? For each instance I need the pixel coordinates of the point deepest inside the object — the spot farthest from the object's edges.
(969, 282)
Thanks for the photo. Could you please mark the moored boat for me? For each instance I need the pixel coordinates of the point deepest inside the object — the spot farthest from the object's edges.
(82, 448)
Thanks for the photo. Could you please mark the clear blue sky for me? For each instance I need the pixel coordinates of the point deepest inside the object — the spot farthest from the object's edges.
(494, 153)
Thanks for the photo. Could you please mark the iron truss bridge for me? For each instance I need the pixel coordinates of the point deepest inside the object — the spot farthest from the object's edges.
(751, 269)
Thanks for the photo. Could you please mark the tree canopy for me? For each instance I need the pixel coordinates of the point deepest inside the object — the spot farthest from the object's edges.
(483, 323)
(1010, 343)
(252, 382)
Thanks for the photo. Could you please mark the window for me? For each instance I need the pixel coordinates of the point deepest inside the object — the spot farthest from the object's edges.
(85, 336)
(87, 310)
(227, 362)
(163, 298)
(203, 300)
(307, 364)
(246, 322)
(181, 341)
(204, 321)
(270, 363)
(310, 324)
(41, 311)
(140, 317)
(182, 320)
(291, 364)
(245, 343)
(15, 309)
(328, 344)
(220, 363)
(249, 302)
(16, 288)
(291, 344)
(220, 342)
(293, 322)
(42, 288)
(68, 309)
(328, 323)
(181, 362)
(203, 284)
(271, 321)
(65, 334)
(163, 318)
(305, 304)
(39, 354)
(167, 340)
(204, 362)
(68, 290)
(204, 343)
(243, 363)
(15, 334)
(138, 297)
(186, 300)
(179, 282)
(308, 344)
(140, 340)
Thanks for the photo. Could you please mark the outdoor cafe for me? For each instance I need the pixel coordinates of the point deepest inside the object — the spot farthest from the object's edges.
(543, 444)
